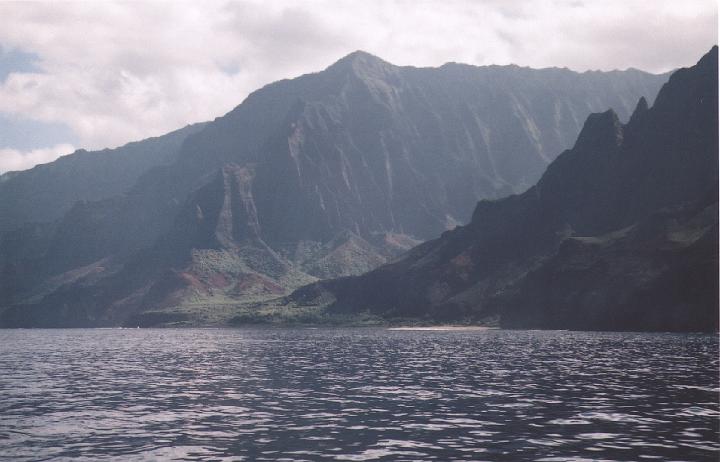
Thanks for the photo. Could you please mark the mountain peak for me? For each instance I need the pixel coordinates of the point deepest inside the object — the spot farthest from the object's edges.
(642, 105)
(600, 129)
(640, 109)
(360, 60)
(359, 56)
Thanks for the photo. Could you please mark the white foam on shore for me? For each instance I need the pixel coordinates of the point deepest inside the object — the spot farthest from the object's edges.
(443, 328)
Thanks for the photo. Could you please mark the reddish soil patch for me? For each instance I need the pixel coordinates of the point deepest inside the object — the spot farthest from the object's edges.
(258, 284)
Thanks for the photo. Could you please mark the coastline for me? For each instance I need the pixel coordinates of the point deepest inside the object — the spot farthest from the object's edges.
(443, 328)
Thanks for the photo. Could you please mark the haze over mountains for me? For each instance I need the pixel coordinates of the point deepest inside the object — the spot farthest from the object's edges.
(620, 233)
(45, 192)
(326, 175)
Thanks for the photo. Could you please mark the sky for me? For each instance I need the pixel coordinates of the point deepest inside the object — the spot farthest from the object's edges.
(100, 74)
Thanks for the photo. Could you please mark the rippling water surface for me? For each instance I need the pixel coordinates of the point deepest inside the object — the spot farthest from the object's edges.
(357, 394)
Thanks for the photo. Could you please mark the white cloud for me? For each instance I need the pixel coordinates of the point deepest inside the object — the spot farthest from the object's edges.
(116, 72)
(14, 160)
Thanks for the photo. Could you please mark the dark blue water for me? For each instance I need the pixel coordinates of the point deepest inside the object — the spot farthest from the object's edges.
(357, 394)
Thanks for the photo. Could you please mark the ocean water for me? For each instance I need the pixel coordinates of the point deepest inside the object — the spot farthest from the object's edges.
(356, 395)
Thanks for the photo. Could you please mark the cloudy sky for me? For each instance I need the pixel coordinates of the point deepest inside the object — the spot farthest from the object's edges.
(100, 74)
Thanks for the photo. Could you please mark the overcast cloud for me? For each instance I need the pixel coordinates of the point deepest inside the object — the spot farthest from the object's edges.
(118, 72)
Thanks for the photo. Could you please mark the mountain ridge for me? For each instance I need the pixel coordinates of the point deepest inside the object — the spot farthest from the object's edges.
(517, 255)
(82, 175)
(389, 154)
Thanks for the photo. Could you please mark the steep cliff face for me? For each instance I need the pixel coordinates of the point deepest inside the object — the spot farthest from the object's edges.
(411, 150)
(370, 147)
(326, 175)
(619, 233)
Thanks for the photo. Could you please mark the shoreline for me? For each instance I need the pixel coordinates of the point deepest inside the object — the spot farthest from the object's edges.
(443, 328)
